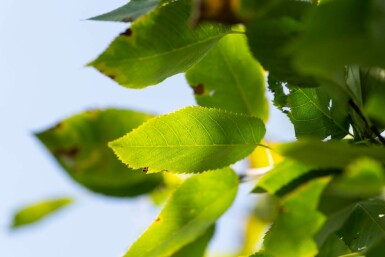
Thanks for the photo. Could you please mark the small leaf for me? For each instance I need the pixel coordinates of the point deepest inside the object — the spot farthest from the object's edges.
(157, 46)
(191, 140)
(35, 212)
(79, 144)
(129, 12)
(309, 110)
(191, 210)
(230, 78)
(329, 154)
(198, 247)
(292, 233)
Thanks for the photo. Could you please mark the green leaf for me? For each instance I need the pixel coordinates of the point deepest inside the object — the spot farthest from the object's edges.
(271, 32)
(309, 110)
(280, 176)
(329, 154)
(191, 140)
(334, 247)
(362, 178)
(79, 144)
(342, 32)
(129, 12)
(198, 247)
(34, 213)
(191, 210)
(230, 78)
(365, 227)
(157, 46)
(292, 233)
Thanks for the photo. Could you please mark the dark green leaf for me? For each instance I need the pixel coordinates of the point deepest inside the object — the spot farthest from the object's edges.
(365, 227)
(342, 32)
(329, 154)
(270, 34)
(157, 46)
(309, 110)
(188, 214)
(34, 213)
(230, 78)
(191, 140)
(129, 12)
(79, 144)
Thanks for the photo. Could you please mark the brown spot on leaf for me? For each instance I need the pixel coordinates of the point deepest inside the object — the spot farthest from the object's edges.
(127, 19)
(59, 125)
(157, 219)
(111, 77)
(127, 33)
(145, 169)
(199, 89)
(68, 153)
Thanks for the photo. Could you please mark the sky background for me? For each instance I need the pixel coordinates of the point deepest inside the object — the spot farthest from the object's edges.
(44, 46)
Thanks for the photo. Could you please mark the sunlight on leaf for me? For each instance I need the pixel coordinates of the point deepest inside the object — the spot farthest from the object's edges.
(192, 209)
(38, 211)
(191, 140)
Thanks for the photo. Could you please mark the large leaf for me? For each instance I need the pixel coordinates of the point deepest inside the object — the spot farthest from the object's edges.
(230, 78)
(79, 144)
(292, 233)
(330, 154)
(35, 212)
(309, 110)
(129, 12)
(270, 33)
(193, 139)
(342, 32)
(157, 46)
(191, 210)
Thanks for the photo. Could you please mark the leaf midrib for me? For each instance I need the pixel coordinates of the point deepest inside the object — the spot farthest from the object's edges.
(184, 146)
(191, 222)
(175, 50)
(322, 111)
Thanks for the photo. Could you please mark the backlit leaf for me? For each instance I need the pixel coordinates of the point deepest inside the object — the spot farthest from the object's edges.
(129, 12)
(191, 140)
(35, 212)
(229, 78)
(292, 233)
(79, 144)
(280, 176)
(157, 46)
(198, 247)
(191, 210)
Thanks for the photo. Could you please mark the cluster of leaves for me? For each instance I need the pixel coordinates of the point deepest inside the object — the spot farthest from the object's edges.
(326, 69)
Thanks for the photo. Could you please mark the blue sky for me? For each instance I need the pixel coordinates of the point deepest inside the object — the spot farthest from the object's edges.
(44, 46)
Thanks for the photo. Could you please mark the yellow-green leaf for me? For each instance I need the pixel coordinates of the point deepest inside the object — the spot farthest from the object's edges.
(35, 212)
(192, 209)
(191, 140)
